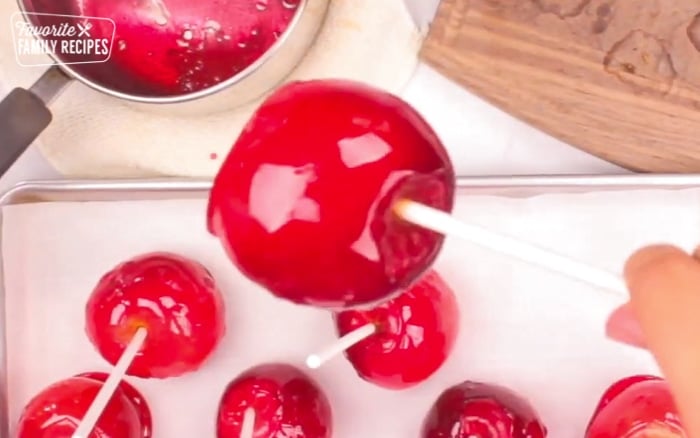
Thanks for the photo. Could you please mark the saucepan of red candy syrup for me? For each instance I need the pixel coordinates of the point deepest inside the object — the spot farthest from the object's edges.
(162, 51)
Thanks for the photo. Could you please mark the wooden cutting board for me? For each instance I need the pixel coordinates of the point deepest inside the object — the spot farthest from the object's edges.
(617, 78)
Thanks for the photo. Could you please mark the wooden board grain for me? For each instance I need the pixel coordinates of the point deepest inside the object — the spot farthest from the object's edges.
(617, 78)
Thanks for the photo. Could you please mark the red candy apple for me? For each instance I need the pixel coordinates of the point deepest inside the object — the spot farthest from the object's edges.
(636, 407)
(287, 403)
(58, 410)
(473, 409)
(415, 333)
(175, 299)
(303, 203)
(618, 387)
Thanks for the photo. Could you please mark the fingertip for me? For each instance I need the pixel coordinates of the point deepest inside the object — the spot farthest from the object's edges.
(643, 272)
(664, 285)
(622, 326)
(650, 256)
(650, 262)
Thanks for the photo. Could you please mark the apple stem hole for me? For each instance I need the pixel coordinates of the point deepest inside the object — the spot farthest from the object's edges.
(341, 344)
(444, 223)
(110, 385)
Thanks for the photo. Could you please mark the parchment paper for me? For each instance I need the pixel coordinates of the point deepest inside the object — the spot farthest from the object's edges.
(539, 333)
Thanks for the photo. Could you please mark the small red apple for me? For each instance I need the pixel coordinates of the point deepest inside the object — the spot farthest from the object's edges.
(174, 298)
(636, 407)
(415, 333)
(473, 409)
(57, 411)
(303, 202)
(286, 401)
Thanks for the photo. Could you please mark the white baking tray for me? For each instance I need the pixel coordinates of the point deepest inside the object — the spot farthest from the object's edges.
(126, 190)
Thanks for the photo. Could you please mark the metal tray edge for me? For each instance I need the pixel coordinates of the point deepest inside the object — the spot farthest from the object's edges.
(168, 188)
(55, 190)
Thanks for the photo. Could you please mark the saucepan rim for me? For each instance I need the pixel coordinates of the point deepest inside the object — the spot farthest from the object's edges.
(195, 95)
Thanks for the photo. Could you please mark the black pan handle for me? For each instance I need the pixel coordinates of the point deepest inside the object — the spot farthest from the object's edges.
(24, 114)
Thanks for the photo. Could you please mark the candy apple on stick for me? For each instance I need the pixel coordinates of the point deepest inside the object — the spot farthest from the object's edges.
(271, 401)
(174, 298)
(67, 409)
(401, 342)
(338, 195)
(155, 315)
(303, 202)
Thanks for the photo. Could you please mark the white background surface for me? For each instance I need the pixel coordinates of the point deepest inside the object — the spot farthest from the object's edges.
(481, 139)
(540, 334)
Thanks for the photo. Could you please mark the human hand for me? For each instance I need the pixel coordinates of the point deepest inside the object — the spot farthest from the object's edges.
(663, 315)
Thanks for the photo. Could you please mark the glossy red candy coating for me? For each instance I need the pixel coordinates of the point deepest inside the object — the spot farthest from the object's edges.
(174, 298)
(286, 401)
(173, 47)
(473, 409)
(303, 203)
(416, 332)
(618, 387)
(637, 407)
(57, 411)
(137, 400)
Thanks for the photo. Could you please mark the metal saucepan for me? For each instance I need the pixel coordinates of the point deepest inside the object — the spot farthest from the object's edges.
(162, 52)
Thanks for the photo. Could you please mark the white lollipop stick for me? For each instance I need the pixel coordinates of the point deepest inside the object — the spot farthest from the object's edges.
(443, 223)
(105, 394)
(248, 426)
(339, 345)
